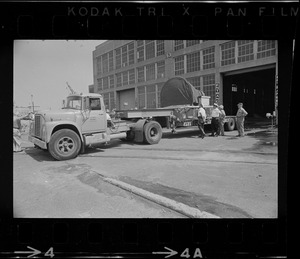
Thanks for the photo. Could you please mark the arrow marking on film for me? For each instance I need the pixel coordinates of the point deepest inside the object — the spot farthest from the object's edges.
(33, 252)
(169, 253)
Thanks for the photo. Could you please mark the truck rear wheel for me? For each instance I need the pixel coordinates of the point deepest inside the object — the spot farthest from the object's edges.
(230, 125)
(152, 132)
(64, 144)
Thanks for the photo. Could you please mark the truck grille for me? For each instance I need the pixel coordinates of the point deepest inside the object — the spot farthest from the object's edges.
(37, 125)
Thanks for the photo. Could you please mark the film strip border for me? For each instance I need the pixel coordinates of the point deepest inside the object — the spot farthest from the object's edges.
(145, 238)
(92, 20)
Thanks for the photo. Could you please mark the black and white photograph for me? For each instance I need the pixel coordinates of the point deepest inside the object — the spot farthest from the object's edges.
(145, 128)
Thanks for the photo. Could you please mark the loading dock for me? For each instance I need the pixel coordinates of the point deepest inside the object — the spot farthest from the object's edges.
(126, 99)
(255, 88)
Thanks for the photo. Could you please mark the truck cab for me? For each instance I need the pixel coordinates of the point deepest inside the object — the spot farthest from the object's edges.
(80, 123)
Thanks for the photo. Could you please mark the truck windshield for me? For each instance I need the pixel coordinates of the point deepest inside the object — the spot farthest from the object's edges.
(74, 102)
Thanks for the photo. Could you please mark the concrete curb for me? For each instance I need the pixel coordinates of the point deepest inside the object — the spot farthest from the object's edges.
(174, 205)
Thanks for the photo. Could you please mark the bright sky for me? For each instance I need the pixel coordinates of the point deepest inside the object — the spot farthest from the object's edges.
(42, 68)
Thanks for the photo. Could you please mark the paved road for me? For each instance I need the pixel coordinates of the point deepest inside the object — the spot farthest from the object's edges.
(226, 176)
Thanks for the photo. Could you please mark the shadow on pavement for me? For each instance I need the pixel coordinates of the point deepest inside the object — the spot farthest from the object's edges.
(39, 154)
(181, 133)
(267, 140)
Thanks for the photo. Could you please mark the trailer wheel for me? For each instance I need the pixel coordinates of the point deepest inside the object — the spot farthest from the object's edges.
(230, 125)
(152, 132)
(64, 144)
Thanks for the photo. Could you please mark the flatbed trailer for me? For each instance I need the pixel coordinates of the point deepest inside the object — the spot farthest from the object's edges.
(181, 115)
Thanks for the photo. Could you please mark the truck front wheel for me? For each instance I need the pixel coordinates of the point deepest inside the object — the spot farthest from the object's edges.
(152, 132)
(64, 144)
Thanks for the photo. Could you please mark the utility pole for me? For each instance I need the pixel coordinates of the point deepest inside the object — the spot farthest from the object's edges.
(32, 103)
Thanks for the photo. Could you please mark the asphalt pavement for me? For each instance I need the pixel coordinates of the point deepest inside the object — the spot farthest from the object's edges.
(182, 176)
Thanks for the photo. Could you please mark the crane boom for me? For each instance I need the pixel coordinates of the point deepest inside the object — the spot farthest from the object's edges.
(70, 88)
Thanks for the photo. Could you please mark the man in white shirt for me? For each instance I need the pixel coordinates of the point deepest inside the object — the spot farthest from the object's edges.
(215, 115)
(110, 124)
(201, 120)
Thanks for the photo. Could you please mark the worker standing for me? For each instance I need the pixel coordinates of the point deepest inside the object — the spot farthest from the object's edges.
(110, 124)
(201, 120)
(17, 134)
(215, 116)
(240, 118)
(221, 120)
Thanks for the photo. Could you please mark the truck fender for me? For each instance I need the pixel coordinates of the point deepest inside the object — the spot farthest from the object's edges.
(138, 129)
(55, 125)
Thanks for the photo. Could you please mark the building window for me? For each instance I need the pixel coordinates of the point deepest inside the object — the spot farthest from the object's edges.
(140, 74)
(150, 72)
(150, 49)
(118, 80)
(159, 87)
(160, 47)
(106, 100)
(178, 44)
(193, 62)
(111, 61)
(228, 53)
(209, 58)
(99, 84)
(192, 42)
(194, 81)
(131, 77)
(266, 48)
(105, 63)
(91, 89)
(141, 97)
(209, 87)
(160, 69)
(109, 100)
(125, 78)
(124, 56)
(131, 53)
(105, 83)
(111, 81)
(140, 50)
(99, 66)
(118, 58)
(179, 65)
(245, 50)
(112, 104)
(151, 96)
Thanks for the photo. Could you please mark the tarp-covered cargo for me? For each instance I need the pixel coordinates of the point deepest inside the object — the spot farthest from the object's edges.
(178, 91)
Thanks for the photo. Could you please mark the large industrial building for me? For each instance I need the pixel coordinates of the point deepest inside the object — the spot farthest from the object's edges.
(130, 74)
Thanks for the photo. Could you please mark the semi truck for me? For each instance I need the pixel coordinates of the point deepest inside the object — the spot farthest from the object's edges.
(82, 122)
(183, 99)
